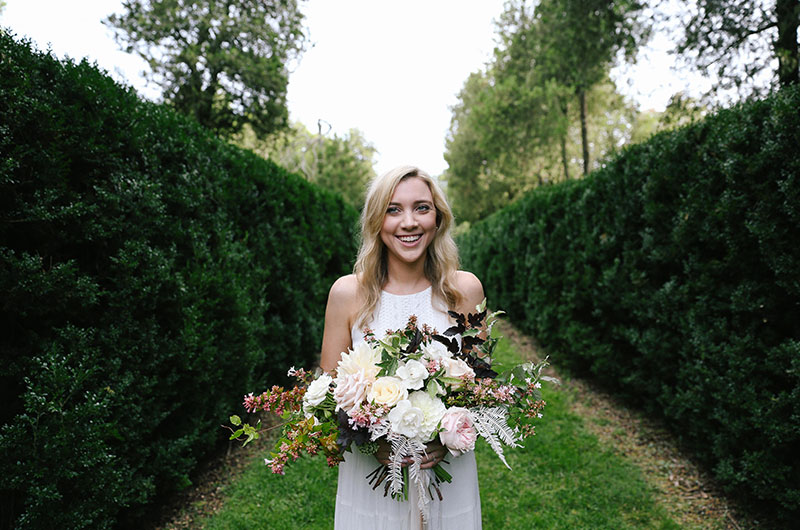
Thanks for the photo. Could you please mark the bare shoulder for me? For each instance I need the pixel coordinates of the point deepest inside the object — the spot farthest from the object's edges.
(343, 303)
(344, 299)
(344, 290)
(472, 289)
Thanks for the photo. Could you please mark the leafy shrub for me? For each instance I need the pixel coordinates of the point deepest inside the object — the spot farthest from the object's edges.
(150, 275)
(671, 276)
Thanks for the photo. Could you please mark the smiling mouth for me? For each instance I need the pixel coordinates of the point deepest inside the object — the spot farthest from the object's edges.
(409, 239)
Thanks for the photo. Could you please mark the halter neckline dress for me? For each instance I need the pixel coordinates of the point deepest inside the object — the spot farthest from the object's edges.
(358, 506)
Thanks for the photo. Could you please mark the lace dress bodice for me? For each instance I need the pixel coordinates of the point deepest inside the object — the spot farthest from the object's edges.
(394, 309)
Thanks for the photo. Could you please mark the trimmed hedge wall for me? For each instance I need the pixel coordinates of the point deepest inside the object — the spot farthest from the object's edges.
(672, 275)
(151, 274)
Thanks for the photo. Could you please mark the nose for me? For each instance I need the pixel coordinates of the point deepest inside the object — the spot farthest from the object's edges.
(409, 221)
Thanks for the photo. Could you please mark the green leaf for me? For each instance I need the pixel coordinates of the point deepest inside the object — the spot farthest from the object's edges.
(480, 307)
(236, 420)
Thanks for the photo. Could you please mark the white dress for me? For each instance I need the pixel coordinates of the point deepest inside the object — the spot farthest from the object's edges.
(358, 506)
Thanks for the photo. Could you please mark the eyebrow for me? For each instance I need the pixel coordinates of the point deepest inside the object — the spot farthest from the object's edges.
(423, 201)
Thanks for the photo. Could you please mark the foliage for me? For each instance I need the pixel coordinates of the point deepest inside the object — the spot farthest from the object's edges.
(739, 40)
(531, 115)
(681, 110)
(490, 165)
(670, 275)
(150, 274)
(342, 164)
(223, 63)
(574, 44)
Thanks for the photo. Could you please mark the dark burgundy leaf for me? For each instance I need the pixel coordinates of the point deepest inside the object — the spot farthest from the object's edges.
(476, 319)
(455, 330)
(452, 344)
(482, 369)
(414, 343)
(348, 434)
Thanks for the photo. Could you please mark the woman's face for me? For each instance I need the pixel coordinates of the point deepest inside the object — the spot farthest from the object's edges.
(409, 224)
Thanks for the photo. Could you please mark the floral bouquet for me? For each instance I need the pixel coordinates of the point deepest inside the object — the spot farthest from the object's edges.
(407, 388)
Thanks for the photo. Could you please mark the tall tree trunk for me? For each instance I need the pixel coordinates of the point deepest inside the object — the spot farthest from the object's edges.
(563, 137)
(584, 139)
(564, 159)
(788, 16)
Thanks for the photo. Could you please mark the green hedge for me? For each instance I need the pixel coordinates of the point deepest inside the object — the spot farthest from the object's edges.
(150, 275)
(672, 275)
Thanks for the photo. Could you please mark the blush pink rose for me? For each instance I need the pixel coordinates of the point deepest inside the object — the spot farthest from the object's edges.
(458, 432)
(351, 390)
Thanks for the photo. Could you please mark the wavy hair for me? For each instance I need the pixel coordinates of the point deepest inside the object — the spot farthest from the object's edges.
(371, 267)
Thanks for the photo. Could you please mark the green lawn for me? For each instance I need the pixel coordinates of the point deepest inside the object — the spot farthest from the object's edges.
(562, 479)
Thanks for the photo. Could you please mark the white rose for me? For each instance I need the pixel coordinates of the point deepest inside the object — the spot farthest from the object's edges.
(406, 419)
(432, 411)
(413, 373)
(363, 357)
(316, 391)
(457, 368)
(350, 390)
(454, 370)
(435, 351)
(387, 391)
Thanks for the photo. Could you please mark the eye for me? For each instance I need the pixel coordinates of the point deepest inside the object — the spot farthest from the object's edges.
(392, 209)
(424, 208)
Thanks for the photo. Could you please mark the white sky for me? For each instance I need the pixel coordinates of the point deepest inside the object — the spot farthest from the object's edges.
(390, 68)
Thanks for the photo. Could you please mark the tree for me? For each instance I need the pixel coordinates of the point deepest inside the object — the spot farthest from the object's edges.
(739, 39)
(222, 62)
(493, 156)
(680, 111)
(342, 164)
(516, 126)
(579, 42)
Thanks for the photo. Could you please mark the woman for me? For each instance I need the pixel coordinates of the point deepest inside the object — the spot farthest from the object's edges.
(407, 265)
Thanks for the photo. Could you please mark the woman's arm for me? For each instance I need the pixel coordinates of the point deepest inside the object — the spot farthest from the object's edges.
(472, 289)
(339, 315)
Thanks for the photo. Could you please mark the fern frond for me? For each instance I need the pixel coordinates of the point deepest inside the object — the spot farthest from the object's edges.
(419, 477)
(399, 451)
(491, 424)
(497, 418)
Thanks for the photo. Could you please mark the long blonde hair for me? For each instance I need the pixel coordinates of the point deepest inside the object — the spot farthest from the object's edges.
(371, 268)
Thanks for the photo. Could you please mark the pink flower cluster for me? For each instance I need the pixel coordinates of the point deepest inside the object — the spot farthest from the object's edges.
(304, 436)
(489, 393)
(433, 366)
(367, 414)
(276, 399)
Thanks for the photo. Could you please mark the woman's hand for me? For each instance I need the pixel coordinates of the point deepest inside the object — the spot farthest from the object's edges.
(434, 454)
(383, 452)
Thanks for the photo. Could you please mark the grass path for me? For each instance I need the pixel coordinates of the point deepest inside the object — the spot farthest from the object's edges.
(593, 464)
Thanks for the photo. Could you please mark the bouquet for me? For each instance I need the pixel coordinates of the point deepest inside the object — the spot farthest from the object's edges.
(407, 388)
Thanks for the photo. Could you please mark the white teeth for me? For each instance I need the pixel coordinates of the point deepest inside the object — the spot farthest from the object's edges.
(409, 239)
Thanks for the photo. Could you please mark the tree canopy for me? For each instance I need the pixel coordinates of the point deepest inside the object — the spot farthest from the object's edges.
(519, 120)
(222, 62)
(342, 164)
(740, 39)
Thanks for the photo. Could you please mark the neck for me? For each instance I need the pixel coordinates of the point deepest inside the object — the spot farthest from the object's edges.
(405, 278)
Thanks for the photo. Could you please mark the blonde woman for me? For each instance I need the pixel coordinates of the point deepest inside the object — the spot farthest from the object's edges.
(407, 264)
